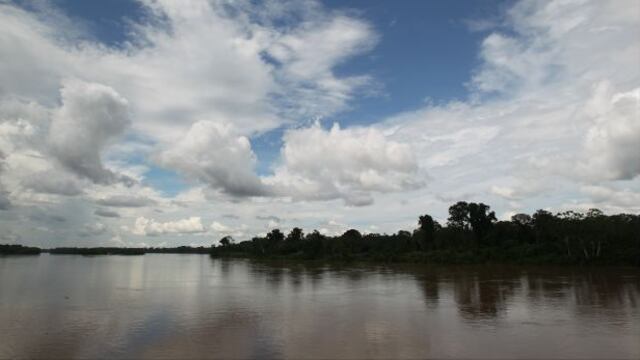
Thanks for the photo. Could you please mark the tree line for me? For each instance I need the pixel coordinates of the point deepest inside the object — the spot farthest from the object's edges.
(90, 251)
(10, 249)
(472, 234)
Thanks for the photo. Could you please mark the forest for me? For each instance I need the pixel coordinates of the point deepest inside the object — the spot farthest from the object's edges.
(128, 250)
(472, 234)
(9, 249)
(90, 251)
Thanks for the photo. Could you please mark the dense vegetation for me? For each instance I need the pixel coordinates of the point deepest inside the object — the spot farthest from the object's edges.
(97, 251)
(24, 250)
(18, 250)
(179, 250)
(129, 251)
(472, 234)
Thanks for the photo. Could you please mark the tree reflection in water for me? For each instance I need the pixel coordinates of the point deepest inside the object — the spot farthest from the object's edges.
(177, 306)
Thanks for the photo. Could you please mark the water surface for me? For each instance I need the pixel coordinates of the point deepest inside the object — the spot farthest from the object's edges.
(190, 306)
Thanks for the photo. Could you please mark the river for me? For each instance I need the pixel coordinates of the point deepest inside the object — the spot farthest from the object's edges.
(191, 306)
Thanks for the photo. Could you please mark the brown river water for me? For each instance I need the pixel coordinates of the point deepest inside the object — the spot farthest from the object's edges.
(191, 306)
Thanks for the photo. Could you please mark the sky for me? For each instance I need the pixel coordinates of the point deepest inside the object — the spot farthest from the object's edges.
(164, 123)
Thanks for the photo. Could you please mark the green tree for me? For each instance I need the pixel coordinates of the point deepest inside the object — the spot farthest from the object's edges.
(459, 215)
(481, 219)
(425, 234)
(524, 220)
(295, 235)
(226, 241)
(274, 238)
(427, 224)
(478, 217)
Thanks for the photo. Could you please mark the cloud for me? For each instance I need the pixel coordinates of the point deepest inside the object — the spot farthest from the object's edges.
(52, 182)
(505, 192)
(333, 228)
(45, 217)
(211, 153)
(612, 143)
(96, 229)
(550, 108)
(517, 189)
(5, 204)
(550, 44)
(9, 237)
(550, 112)
(228, 81)
(316, 163)
(92, 116)
(31, 61)
(307, 56)
(312, 50)
(218, 227)
(614, 199)
(224, 230)
(19, 126)
(125, 201)
(151, 227)
(70, 101)
(343, 163)
(106, 213)
(480, 25)
(4, 196)
(268, 217)
(300, 82)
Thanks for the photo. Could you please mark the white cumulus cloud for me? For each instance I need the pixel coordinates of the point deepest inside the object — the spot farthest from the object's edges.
(213, 154)
(224, 230)
(92, 116)
(343, 163)
(612, 143)
(150, 227)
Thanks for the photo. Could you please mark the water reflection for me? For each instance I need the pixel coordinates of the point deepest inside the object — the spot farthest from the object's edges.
(430, 287)
(185, 306)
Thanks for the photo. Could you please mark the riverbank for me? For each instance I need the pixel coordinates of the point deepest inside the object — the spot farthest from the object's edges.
(8, 249)
(523, 255)
(443, 257)
(93, 251)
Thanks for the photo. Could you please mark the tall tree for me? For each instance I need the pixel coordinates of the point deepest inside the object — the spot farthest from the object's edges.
(426, 231)
(481, 219)
(274, 238)
(459, 215)
(295, 235)
(226, 241)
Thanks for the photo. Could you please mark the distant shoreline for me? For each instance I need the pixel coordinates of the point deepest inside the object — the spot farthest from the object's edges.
(26, 250)
(421, 258)
(472, 235)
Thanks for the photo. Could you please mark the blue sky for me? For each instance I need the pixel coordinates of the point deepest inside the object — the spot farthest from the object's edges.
(436, 64)
(436, 68)
(162, 122)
